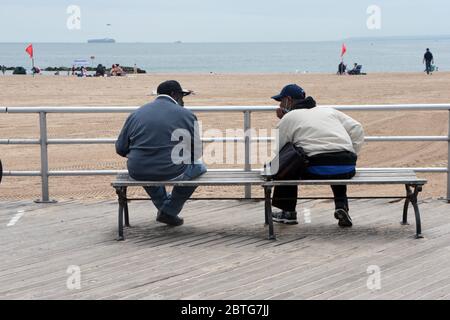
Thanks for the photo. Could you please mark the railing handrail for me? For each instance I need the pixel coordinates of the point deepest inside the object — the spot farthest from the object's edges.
(224, 139)
(45, 173)
(78, 173)
(125, 109)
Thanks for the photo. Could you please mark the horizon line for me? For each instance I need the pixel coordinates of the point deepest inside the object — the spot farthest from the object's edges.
(353, 38)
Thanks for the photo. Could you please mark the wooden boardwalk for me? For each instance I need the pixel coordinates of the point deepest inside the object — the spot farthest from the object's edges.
(221, 253)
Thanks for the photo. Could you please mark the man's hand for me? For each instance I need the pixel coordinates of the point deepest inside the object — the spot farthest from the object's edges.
(280, 113)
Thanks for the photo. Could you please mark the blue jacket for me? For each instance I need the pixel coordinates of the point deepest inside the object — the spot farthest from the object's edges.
(159, 139)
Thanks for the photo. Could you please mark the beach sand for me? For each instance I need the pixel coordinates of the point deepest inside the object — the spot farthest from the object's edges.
(213, 89)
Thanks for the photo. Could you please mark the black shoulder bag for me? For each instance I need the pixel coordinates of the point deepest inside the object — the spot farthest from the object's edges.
(289, 164)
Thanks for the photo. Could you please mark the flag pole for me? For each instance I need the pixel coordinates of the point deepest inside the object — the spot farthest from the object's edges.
(32, 65)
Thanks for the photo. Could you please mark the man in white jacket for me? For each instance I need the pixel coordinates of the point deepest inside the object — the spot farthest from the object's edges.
(330, 139)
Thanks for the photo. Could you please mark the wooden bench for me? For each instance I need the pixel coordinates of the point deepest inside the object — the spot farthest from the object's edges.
(408, 178)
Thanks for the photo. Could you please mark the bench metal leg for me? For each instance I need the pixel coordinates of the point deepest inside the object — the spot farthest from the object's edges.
(417, 190)
(406, 206)
(411, 197)
(127, 218)
(266, 216)
(268, 211)
(121, 193)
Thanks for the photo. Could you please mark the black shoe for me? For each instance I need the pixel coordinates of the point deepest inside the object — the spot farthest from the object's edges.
(285, 217)
(174, 221)
(344, 218)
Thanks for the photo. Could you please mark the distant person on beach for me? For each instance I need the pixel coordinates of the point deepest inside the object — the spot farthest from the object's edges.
(354, 70)
(330, 141)
(36, 70)
(135, 69)
(341, 68)
(117, 70)
(100, 71)
(73, 70)
(83, 72)
(147, 140)
(428, 59)
(3, 70)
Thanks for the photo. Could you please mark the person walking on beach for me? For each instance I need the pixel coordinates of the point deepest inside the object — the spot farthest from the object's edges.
(428, 59)
(3, 69)
(147, 140)
(330, 141)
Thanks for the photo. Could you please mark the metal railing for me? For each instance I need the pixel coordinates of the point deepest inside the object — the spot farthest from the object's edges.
(43, 141)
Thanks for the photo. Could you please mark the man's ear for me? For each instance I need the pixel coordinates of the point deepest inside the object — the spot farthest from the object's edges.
(290, 100)
(174, 95)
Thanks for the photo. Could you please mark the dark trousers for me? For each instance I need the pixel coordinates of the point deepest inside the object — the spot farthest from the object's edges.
(428, 64)
(285, 197)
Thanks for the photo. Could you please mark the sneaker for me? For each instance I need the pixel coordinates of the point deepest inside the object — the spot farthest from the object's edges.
(174, 221)
(344, 218)
(286, 217)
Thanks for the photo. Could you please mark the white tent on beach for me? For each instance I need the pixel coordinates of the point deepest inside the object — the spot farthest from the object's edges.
(81, 62)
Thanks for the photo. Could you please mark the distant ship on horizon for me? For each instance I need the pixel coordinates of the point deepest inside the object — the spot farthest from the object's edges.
(104, 40)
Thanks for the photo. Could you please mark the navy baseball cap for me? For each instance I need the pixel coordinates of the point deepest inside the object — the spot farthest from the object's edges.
(167, 87)
(291, 90)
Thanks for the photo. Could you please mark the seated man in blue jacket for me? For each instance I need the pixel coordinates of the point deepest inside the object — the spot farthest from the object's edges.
(162, 142)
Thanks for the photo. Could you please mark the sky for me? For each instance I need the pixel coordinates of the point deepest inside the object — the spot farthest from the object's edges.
(219, 20)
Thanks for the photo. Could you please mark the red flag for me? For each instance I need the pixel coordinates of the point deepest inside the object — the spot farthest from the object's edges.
(29, 50)
(344, 49)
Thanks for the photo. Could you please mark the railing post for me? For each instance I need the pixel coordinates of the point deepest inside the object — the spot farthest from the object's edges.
(44, 159)
(248, 167)
(448, 159)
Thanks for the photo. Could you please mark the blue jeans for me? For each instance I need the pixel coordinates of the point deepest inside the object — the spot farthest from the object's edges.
(172, 203)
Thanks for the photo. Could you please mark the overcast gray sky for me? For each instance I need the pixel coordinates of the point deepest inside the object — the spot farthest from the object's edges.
(218, 20)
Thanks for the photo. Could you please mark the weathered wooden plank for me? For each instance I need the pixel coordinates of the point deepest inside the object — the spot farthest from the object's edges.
(224, 254)
(271, 272)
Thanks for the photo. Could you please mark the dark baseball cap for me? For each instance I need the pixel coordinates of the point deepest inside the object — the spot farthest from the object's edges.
(291, 90)
(167, 87)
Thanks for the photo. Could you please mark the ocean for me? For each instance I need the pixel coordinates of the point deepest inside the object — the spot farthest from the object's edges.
(289, 57)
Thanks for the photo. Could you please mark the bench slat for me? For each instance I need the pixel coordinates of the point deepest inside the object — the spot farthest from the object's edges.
(348, 182)
(218, 178)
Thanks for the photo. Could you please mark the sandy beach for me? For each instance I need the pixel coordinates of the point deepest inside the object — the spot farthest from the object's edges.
(213, 89)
